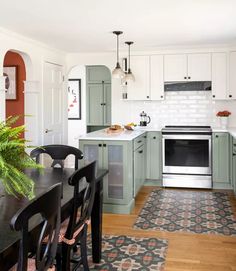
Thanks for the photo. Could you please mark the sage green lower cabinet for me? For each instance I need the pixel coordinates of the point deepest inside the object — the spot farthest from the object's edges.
(220, 158)
(234, 165)
(139, 168)
(154, 157)
(117, 157)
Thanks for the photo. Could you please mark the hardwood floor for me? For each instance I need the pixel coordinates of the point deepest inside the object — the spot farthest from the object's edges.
(186, 251)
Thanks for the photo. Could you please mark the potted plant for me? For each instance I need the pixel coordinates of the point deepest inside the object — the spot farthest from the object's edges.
(223, 118)
(14, 159)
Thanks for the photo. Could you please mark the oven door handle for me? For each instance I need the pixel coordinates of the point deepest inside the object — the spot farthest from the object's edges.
(190, 137)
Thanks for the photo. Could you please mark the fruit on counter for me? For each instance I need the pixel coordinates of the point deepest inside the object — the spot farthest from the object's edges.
(115, 127)
(131, 124)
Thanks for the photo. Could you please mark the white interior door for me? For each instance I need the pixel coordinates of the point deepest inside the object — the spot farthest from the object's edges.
(52, 106)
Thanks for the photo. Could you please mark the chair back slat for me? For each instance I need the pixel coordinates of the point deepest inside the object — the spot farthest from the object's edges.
(58, 153)
(47, 206)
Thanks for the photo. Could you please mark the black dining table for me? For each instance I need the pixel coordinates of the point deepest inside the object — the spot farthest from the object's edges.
(9, 205)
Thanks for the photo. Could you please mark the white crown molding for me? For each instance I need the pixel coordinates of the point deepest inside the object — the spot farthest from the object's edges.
(15, 35)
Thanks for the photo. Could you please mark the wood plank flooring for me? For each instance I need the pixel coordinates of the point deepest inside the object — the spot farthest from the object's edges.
(186, 251)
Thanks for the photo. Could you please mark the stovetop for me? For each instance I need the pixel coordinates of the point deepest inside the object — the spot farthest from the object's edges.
(187, 128)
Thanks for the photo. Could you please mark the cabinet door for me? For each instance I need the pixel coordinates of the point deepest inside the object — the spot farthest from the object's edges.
(95, 107)
(98, 74)
(154, 160)
(234, 173)
(139, 161)
(118, 183)
(219, 76)
(107, 104)
(157, 77)
(175, 68)
(232, 75)
(199, 67)
(92, 151)
(140, 88)
(220, 157)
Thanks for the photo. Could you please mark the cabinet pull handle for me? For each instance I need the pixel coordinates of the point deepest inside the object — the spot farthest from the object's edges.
(139, 141)
(147, 97)
(161, 96)
(230, 96)
(185, 77)
(234, 154)
(99, 145)
(189, 77)
(145, 137)
(104, 145)
(217, 136)
(213, 96)
(154, 137)
(140, 152)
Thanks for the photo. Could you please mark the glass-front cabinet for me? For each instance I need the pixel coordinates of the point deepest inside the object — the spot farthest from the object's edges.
(116, 156)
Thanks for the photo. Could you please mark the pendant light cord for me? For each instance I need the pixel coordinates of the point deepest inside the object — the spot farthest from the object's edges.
(129, 58)
(117, 47)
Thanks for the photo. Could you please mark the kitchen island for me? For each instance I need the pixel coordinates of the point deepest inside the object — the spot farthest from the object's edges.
(124, 154)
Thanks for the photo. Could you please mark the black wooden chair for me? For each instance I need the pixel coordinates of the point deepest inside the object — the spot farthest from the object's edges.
(58, 153)
(48, 206)
(74, 232)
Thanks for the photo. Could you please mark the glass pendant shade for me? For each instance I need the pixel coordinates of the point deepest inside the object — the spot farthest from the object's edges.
(117, 72)
(129, 77)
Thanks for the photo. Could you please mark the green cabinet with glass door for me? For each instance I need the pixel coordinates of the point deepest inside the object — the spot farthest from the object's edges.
(117, 157)
(221, 160)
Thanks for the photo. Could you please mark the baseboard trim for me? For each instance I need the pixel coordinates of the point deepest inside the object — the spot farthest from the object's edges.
(118, 209)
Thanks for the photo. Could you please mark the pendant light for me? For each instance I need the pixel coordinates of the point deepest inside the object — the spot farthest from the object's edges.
(117, 72)
(129, 75)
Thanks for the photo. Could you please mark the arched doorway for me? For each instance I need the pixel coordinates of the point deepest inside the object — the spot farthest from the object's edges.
(14, 70)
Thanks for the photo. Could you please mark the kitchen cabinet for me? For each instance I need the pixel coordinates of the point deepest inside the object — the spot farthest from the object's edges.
(156, 77)
(154, 156)
(219, 76)
(220, 158)
(98, 74)
(187, 67)
(139, 163)
(234, 164)
(232, 75)
(116, 156)
(139, 89)
(98, 96)
(148, 84)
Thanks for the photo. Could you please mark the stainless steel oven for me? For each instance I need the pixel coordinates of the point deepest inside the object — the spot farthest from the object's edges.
(187, 156)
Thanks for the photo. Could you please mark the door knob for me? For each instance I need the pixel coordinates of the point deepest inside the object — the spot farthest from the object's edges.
(48, 130)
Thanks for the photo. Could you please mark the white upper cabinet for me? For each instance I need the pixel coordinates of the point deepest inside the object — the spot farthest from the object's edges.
(232, 75)
(187, 67)
(175, 68)
(139, 89)
(219, 76)
(157, 77)
(199, 67)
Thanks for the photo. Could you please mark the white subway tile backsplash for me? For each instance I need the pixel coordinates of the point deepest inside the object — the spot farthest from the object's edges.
(179, 108)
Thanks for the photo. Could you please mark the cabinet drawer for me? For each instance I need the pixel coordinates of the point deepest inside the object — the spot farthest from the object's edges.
(139, 141)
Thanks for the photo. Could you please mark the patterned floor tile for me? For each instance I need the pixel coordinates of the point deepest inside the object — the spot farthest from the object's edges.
(125, 253)
(189, 211)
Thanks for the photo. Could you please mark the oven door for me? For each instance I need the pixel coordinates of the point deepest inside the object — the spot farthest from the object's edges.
(186, 154)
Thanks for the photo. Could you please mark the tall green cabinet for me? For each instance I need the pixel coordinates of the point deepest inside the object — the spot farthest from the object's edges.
(98, 97)
(221, 160)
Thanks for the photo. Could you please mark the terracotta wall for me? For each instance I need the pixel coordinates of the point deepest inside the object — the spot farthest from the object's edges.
(16, 107)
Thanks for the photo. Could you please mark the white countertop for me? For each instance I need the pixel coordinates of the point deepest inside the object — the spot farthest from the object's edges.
(130, 135)
(103, 135)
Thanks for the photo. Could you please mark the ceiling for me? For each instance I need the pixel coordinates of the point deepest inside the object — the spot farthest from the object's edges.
(87, 25)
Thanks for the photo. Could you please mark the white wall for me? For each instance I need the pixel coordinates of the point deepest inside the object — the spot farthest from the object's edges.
(78, 127)
(196, 108)
(34, 55)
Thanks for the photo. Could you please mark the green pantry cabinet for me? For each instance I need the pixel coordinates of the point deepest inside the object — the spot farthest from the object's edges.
(125, 161)
(221, 160)
(98, 92)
